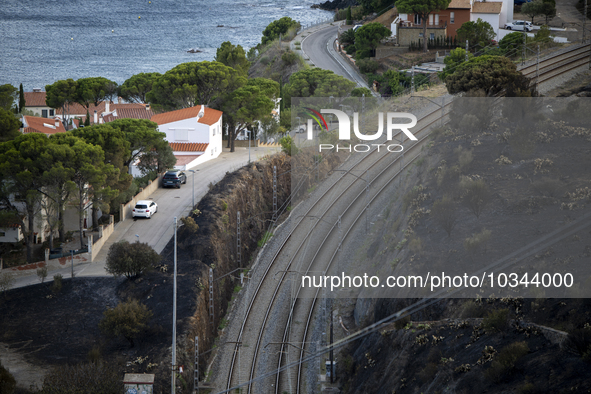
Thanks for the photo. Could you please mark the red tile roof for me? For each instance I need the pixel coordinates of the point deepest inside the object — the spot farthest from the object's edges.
(79, 110)
(209, 118)
(188, 146)
(490, 7)
(35, 99)
(459, 4)
(184, 160)
(35, 124)
(129, 113)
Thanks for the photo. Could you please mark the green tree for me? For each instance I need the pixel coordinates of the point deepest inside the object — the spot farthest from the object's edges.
(394, 81)
(115, 146)
(277, 28)
(359, 92)
(479, 34)
(128, 320)
(9, 125)
(90, 173)
(422, 8)
(7, 97)
(288, 146)
(93, 90)
(349, 18)
(21, 169)
(452, 61)
(512, 44)
(248, 105)
(144, 138)
(347, 37)
(21, 99)
(137, 87)
(190, 84)
(233, 56)
(491, 74)
(62, 94)
(548, 9)
(97, 377)
(533, 9)
(367, 39)
(130, 259)
(87, 119)
(316, 82)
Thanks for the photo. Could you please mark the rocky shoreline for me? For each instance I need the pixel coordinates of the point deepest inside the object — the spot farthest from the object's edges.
(335, 4)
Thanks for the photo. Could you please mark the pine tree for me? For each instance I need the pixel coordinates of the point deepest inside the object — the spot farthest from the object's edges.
(349, 17)
(87, 120)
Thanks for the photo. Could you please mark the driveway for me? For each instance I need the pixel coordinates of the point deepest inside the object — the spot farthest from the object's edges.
(172, 203)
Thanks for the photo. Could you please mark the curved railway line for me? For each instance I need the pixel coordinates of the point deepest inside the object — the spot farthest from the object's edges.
(303, 307)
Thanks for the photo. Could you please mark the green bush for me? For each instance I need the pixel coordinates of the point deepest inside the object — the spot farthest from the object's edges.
(56, 287)
(128, 319)
(288, 146)
(367, 66)
(130, 259)
(505, 361)
(496, 321)
(289, 58)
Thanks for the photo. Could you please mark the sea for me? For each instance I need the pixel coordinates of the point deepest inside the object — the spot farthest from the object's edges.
(42, 41)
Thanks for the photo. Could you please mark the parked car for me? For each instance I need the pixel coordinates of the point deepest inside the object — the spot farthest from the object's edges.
(519, 25)
(144, 209)
(174, 179)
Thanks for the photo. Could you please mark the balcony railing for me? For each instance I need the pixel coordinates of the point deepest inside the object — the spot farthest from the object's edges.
(409, 24)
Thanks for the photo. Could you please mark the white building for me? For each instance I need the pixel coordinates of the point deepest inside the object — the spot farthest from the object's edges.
(194, 134)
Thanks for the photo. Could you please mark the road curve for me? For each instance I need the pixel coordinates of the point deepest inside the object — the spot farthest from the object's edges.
(318, 46)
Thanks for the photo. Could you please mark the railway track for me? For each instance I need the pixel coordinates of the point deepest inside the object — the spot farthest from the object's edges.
(304, 305)
(370, 163)
(559, 63)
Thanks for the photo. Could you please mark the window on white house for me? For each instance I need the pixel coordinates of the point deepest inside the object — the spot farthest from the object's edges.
(51, 112)
(452, 17)
(44, 113)
(181, 135)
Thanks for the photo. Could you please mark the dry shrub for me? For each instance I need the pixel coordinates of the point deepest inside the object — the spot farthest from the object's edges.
(496, 321)
(547, 186)
(476, 195)
(444, 213)
(505, 361)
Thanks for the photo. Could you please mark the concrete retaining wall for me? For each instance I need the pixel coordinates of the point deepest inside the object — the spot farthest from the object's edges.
(244, 143)
(104, 234)
(125, 210)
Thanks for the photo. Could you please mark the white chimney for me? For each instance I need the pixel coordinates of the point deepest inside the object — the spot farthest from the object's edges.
(147, 107)
(57, 123)
(95, 117)
(36, 90)
(119, 100)
(201, 113)
(107, 106)
(115, 113)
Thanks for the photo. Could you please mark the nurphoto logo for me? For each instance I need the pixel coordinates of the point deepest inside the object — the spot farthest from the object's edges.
(344, 130)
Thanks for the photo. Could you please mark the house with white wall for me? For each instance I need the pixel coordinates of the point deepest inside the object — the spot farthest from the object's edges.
(194, 134)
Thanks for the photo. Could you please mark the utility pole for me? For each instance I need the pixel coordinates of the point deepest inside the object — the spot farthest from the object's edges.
(538, 67)
(412, 80)
(238, 241)
(173, 390)
(211, 316)
(331, 351)
(366, 202)
(274, 194)
(584, 22)
(196, 373)
(524, 42)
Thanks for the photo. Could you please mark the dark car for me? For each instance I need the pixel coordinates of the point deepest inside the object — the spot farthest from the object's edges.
(174, 179)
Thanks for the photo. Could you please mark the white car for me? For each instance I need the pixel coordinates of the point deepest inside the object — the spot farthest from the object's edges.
(144, 209)
(519, 25)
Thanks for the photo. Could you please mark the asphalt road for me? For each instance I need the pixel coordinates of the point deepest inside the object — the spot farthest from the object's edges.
(158, 230)
(318, 46)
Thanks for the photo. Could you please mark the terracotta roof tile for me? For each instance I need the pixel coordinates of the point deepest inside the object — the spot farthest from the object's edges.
(78, 110)
(489, 7)
(188, 146)
(35, 99)
(459, 4)
(129, 113)
(35, 124)
(210, 117)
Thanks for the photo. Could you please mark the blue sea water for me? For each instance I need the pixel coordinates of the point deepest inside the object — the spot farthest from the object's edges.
(42, 41)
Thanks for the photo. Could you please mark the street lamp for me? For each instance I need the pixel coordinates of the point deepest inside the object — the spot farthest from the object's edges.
(248, 132)
(173, 383)
(193, 176)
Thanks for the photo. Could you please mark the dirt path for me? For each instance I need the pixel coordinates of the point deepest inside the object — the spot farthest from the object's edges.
(25, 373)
